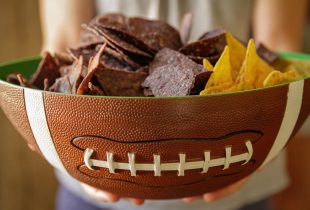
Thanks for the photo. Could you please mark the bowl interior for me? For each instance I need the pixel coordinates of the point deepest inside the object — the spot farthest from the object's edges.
(25, 66)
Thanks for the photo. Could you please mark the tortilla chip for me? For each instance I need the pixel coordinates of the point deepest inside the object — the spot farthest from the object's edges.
(224, 87)
(200, 82)
(95, 90)
(62, 85)
(46, 85)
(114, 28)
(93, 67)
(276, 77)
(302, 66)
(121, 83)
(137, 35)
(173, 74)
(120, 40)
(86, 51)
(267, 55)
(47, 69)
(24, 82)
(222, 72)
(254, 70)
(111, 20)
(109, 61)
(207, 64)
(88, 37)
(237, 54)
(122, 57)
(214, 33)
(155, 34)
(70, 81)
(212, 44)
(13, 79)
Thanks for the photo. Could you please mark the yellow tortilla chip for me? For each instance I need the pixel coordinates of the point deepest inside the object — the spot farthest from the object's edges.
(253, 71)
(217, 89)
(237, 53)
(207, 64)
(302, 66)
(276, 77)
(221, 71)
(221, 78)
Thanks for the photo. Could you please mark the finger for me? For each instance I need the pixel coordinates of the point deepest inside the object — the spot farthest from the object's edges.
(219, 194)
(99, 195)
(135, 201)
(191, 199)
(104, 196)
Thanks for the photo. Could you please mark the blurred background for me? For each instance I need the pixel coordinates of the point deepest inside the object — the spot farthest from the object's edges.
(27, 182)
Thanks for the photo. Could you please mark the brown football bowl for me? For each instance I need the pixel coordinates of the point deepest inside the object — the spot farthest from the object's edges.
(156, 148)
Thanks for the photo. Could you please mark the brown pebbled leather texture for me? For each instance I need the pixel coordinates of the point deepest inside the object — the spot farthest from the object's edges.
(169, 126)
(162, 126)
(13, 105)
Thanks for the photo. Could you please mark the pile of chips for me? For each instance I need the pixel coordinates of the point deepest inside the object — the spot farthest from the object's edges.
(240, 68)
(132, 56)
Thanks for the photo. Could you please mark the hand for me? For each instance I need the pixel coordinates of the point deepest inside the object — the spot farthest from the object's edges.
(103, 196)
(219, 194)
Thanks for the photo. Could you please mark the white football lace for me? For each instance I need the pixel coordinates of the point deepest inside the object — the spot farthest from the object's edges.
(157, 167)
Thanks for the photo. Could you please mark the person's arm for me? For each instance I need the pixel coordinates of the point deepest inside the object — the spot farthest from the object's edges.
(61, 22)
(279, 24)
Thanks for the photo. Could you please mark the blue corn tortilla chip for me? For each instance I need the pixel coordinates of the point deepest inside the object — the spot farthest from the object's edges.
(174, 74)
(266, 54)
(48, 68)
(70, 81)
(121, 83)
(137, 35)
(112, 58)
(210, 44)
(122, 40)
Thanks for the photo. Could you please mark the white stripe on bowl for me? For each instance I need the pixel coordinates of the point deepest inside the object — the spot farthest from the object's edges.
(291, 114)
(34, 103)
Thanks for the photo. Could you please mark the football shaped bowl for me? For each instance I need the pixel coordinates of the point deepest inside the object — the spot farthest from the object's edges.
(156, 148)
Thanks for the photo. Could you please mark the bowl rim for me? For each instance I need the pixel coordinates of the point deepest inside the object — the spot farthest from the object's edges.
(285, 55)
